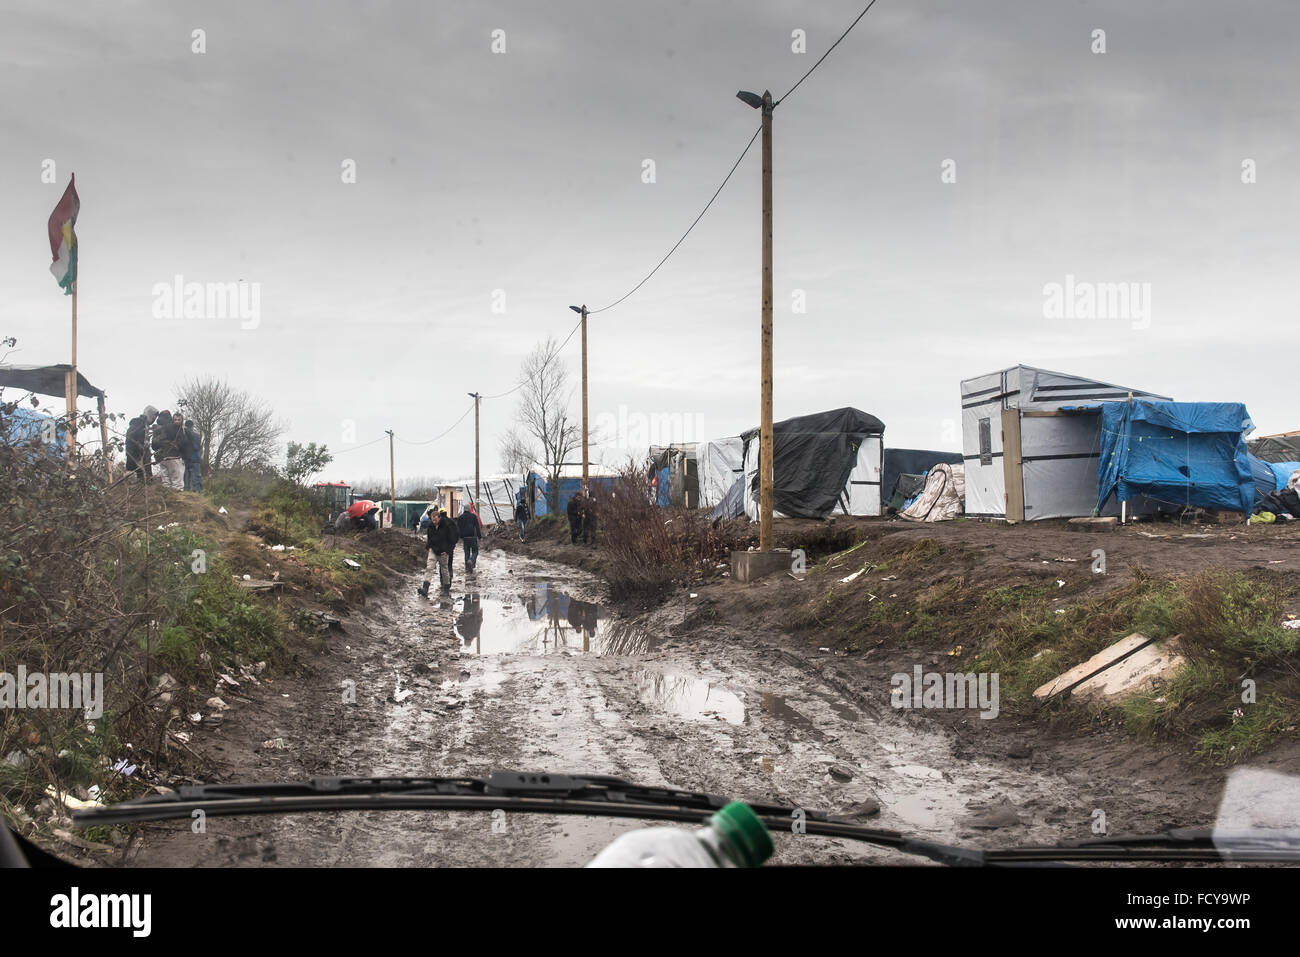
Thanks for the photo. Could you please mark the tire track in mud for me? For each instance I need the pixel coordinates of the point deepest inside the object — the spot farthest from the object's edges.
(716, 713)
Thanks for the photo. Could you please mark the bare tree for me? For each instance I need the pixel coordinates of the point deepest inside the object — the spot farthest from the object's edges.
(517, 454)
(237, 429)
(544, 412)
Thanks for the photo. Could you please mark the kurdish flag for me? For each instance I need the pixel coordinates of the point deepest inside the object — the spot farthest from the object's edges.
(63, 241)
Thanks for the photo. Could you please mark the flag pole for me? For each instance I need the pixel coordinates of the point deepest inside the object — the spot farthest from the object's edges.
(72, 384)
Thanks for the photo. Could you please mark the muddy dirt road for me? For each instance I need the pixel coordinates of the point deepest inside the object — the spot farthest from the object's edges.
(521, 667)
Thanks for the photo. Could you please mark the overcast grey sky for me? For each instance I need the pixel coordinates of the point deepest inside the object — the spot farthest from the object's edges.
(522, 172)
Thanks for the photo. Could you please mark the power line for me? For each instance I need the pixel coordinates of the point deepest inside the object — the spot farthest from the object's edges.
(557, 351)
(357, 448)
(592, 312)
(826, 54)
(444, 432)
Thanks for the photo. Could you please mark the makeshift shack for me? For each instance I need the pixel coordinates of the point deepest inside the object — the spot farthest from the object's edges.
(1178, 454)
(1031, 441)
(677, 474)
(823, 463)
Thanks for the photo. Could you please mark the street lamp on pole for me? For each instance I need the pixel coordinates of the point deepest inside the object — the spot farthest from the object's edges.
(765, 449)
(582, 311)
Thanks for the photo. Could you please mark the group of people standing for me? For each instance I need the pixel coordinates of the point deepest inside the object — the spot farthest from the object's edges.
(441, 535)
(169, 441)
(582, 518)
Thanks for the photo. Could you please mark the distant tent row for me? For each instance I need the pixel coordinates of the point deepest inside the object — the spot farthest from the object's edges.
(1036, 444)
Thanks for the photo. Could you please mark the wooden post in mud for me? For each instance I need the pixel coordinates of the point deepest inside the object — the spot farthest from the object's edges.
(766, 467)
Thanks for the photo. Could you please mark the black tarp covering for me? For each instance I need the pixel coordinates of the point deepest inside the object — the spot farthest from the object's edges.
(1283, 448)
(43, 380)
(912, 461)
(814, 456)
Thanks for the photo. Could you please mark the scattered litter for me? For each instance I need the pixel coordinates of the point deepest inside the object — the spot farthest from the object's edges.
(827, 650)
(248, 578)
(956, 652)
(222, 511)
(229, 680)
(694, 595)
(845, 581)
(889, 578)
(182, 736)
(1060, 611)
(277, 548)
(275, 744)
(1060, 583)
(1065, 559)
(68, 801)
(1295, 623)
(196, 717)
(350, 563)
(124, 769)
(216, 704)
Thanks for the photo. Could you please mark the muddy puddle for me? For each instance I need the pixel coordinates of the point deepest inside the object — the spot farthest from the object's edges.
(540, 619)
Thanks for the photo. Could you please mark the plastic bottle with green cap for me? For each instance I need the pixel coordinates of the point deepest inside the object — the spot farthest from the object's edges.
(734, 837)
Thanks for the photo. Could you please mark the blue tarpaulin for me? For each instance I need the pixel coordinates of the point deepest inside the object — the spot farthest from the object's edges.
(1265, 479)
(1282, 472)
(1178, 453)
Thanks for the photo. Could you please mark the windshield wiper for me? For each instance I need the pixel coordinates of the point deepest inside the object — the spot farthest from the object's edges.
(1176, 844)
(604, 796)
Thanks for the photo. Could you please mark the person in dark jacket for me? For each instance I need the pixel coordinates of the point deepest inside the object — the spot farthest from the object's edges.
(521, 514)
(167, 449)
(137, 449)
(440, 546)
(574, 511)
(193, 458)
(470, 529)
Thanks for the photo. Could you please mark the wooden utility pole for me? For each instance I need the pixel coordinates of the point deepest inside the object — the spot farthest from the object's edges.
(585, 485)
(766, 465)
(477, 399)
(392, 475)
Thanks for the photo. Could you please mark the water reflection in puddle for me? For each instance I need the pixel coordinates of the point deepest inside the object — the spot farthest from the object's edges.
(689, 697)
(542, 621)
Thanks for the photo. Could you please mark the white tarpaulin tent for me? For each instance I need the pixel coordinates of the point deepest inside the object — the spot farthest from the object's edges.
(942, 498)
(720, 463)
(1031, 441)
(496, 497)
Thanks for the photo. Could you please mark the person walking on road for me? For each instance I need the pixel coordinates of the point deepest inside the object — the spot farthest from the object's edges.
(521, 514)
(440, 546)
(471, 530)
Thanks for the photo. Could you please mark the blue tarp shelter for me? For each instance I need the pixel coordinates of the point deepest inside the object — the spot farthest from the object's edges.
(569, 484)
(1176, 453)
